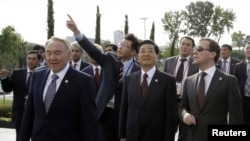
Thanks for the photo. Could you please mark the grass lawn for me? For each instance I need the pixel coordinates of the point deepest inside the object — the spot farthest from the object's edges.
(7, 102)
(5, 110)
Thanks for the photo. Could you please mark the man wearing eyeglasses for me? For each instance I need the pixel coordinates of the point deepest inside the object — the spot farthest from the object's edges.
(108, 98)
(182, 65)
(208, 96)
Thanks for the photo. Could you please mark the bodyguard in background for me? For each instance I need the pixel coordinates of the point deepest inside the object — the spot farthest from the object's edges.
(40, 49)
(60, 104)
(227, 63)
(242, 72)
(181, 67)
(18, 83)
(94, 69)
(76, 54)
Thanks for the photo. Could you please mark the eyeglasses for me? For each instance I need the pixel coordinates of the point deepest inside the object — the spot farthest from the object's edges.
(124, 45)
(200, 49)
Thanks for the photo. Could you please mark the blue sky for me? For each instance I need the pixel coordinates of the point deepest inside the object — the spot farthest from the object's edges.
(29, 17)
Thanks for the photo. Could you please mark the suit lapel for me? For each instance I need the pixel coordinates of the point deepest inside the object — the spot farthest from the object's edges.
(43, 78)
(193, 89)
(63, 88)
(217, 79)
(173, 65)
(137, 87)
(154, 84)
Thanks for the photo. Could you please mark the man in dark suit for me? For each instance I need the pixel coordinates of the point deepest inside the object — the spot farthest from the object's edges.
(112, 48)
(76, 54)
(60, 104)
(242, 72)
(94, 69)
(227, 63)
(17, 83)
(108, 97)
(208, 96)
(148, 113)
(40, 49)
(173, 65)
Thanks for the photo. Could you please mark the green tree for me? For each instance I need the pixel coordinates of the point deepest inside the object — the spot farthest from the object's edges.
(197, 18)
(202, 19)
(12, 48)
(225, 18)
(172, 25)
(50, 19)
(238, 39)
(98, 27)
(152, 34)
(126, 25)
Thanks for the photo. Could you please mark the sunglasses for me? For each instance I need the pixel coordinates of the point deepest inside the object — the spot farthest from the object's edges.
(200, 49)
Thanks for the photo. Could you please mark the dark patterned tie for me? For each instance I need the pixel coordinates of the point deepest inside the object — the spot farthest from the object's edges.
(97, 76)
(120, 75)
(144, 85)
(179, 74)
(224, 64)
(75, 66)
(51, 91)
(201, 90)
(247, 85)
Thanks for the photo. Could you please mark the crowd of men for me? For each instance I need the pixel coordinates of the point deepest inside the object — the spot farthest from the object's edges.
(120, 94)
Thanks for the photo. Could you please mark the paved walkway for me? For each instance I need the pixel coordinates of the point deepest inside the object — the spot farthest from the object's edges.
(7, 134)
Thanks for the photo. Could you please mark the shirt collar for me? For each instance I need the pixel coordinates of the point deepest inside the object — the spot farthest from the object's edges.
(210, 71)
(127, 63)
(179, 58)
(60, 74)
(150, 73)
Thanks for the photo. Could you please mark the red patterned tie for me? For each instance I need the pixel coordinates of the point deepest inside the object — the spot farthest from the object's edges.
(97, 76)
(144, 85)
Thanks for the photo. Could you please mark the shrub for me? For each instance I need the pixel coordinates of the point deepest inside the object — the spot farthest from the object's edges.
(5, 110)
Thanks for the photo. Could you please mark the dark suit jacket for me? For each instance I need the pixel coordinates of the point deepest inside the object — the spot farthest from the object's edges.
(151, 119)
(110, 68)
(233, 62)
(90, 70)
(136, 67)
(72, 115)
(241, 74)
(222, 97)
(82, 66)
(170, 66)
(17, 84)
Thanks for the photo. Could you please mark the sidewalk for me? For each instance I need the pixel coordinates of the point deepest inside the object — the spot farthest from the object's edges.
(7, 134)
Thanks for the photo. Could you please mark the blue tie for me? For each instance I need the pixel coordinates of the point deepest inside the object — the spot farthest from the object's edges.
(51, 91)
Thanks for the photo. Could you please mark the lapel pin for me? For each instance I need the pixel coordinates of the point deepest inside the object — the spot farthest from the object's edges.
(156, 80)
(220, 78)
(66, 81)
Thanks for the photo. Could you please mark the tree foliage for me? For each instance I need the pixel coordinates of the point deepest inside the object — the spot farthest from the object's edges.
(172, 25)
(98, 26)
(238, 39)
(222, 20)
(203, 19)
(152, 33)
(12, 48)
(126, 25)
(197, 18)
(50, 19)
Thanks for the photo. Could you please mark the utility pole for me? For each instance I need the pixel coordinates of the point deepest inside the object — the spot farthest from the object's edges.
(144, 19)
